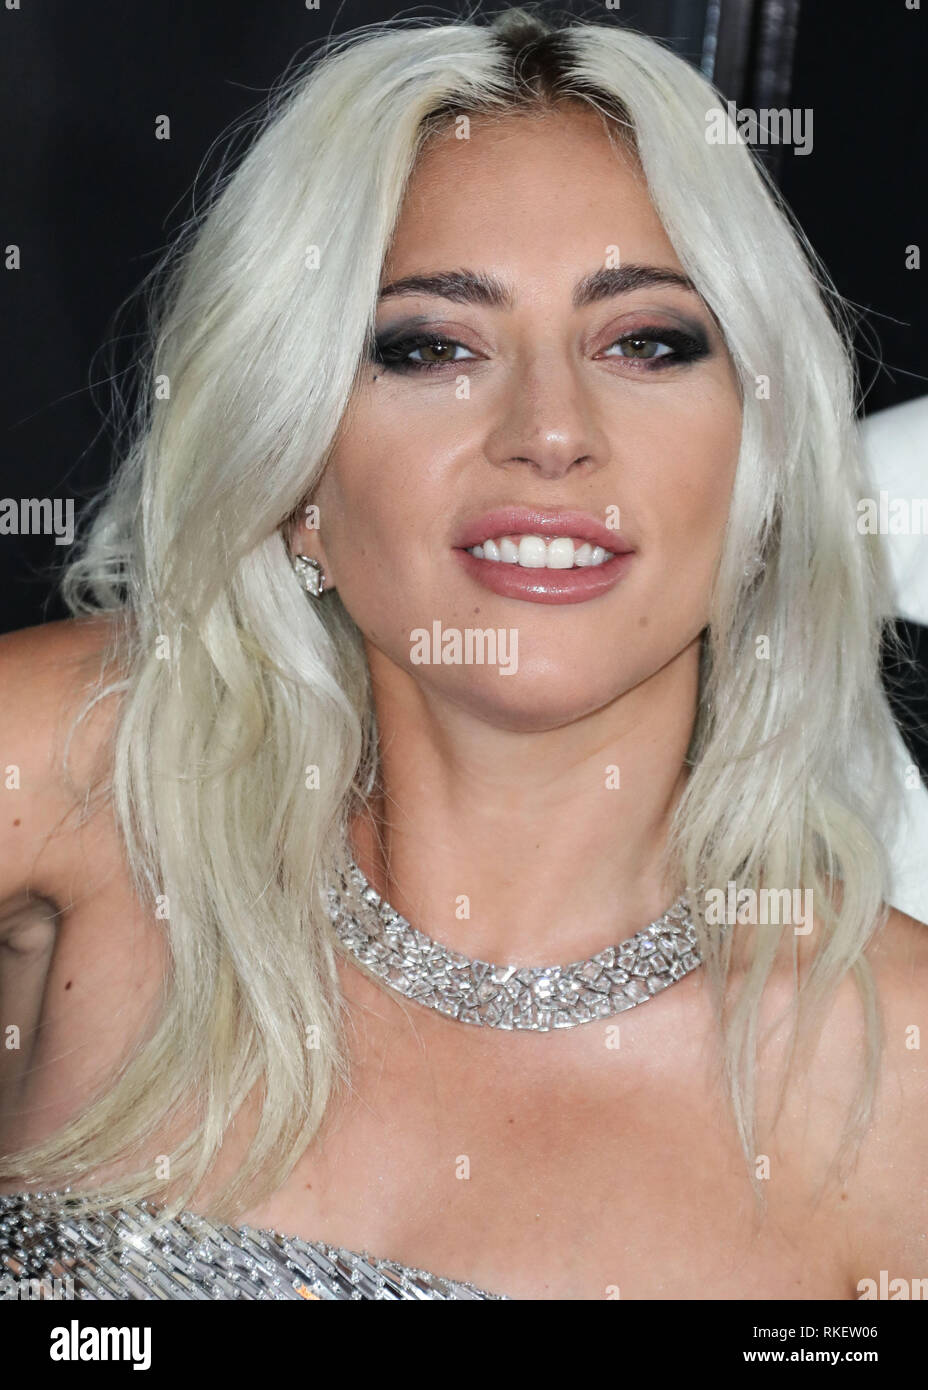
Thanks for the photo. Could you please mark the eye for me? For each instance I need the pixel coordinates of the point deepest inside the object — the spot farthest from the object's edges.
(646, 348)
(644, 345)
(436, 351)
(652, 347)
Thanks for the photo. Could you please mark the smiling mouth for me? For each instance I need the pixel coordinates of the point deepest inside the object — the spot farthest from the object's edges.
(545, 571)
(530, 551)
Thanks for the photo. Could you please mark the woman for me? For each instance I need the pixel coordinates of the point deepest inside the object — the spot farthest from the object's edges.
(484, 542)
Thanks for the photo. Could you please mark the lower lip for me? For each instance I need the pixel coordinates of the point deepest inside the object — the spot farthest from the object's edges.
(545, 585)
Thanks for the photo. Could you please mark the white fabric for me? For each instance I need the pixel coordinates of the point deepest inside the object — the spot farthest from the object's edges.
(895, 444)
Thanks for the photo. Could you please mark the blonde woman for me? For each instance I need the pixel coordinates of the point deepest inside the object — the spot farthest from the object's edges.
(448, 833)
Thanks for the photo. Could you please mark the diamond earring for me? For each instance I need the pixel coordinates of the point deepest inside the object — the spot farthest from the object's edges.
(310, 574)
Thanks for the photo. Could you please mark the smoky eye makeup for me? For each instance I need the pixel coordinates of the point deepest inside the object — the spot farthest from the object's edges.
(414, 346)
(395, 352)
(660, 344)
(391, 347)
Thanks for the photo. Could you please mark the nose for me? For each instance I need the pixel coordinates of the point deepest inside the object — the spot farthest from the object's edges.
(547, 419)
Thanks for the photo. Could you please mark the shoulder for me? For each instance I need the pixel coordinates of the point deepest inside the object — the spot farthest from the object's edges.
(898, 958)
(899, 950)
(51, 757)
(76, 957)
(861, 1182)
(45, 675)
(883, 1199)
(36, 652)
(893, 1174)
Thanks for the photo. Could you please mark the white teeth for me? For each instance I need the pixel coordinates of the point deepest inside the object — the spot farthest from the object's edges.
(534, 552)
(560, 554)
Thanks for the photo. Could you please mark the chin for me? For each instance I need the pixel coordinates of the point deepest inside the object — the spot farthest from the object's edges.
(538, 697)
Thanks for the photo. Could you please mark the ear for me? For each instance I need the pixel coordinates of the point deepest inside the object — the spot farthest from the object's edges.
(302, 536)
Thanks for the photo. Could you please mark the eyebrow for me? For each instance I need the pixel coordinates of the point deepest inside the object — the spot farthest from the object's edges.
(472, 287)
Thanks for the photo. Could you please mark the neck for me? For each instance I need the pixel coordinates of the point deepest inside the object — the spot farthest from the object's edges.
(518, 847)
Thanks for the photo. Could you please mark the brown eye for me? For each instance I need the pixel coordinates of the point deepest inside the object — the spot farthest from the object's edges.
(443, 351)
(640, 347)
(431, 352)
(658, 347)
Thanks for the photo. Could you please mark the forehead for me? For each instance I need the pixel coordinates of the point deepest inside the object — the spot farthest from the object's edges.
(543, 191)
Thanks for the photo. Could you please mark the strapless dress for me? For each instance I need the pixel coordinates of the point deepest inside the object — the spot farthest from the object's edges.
(113, 1255)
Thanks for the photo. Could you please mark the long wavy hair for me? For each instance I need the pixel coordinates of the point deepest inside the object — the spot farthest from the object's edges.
(231, 684)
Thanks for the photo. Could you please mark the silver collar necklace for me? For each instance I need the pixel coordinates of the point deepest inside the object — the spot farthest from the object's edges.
(536, 997)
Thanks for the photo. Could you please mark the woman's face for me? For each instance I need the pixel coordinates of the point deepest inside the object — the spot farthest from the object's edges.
(536, 406)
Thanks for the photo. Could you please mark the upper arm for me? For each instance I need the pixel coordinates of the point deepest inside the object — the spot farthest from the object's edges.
(76, 961)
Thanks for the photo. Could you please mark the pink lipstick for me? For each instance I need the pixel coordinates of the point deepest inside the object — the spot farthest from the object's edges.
(543, 556)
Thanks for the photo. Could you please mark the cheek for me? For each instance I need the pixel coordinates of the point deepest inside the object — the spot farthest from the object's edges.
(684, 492)
(378, 538)
(360, 510)
(386, 490)
(693, 490)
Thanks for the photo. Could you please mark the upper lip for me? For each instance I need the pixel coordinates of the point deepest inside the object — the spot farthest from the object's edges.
(538, 521)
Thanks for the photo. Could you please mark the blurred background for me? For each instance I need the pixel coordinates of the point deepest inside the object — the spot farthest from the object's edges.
(91, 197)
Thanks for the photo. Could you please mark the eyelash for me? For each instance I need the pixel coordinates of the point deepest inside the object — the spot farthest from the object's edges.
(687, 347)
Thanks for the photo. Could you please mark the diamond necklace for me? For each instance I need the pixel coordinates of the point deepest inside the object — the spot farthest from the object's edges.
(536, 997)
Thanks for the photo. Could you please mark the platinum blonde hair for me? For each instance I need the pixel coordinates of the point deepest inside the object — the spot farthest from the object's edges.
(232, 684)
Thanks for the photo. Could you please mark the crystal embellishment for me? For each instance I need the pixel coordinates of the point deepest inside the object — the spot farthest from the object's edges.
(536, 997)
(113, 1255)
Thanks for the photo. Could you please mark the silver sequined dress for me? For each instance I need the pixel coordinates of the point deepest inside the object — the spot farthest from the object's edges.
(112, 1255)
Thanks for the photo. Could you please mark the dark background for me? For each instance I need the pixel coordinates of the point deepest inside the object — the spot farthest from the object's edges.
(91, 197)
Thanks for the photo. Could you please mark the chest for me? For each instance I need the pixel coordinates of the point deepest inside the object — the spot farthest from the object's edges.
(554, 1167)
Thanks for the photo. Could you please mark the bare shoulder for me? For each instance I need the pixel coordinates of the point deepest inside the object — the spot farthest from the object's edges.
(899, 951)
(898, 958)
(885, 1196)
(47, 675)
(893, 1178)
(71, 967)
(868, 1200)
